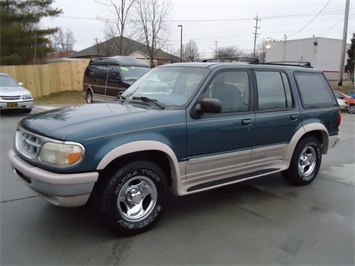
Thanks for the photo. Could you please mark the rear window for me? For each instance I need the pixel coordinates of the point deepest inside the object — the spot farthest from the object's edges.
(314, 90)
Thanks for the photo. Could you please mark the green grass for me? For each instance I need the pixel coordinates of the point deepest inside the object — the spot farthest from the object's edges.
(65, 97)
(347, 86)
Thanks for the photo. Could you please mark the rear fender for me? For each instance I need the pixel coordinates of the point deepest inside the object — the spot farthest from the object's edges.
(312, 127)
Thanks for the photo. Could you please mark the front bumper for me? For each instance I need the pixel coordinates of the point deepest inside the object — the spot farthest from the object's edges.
(16, 105)
(68, 190)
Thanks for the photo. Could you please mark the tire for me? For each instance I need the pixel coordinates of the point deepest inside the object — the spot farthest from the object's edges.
(134, 198)
(305, 162)
(89, 97)
(351, 109)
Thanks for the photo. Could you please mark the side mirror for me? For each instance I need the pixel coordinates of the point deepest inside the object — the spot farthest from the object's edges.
(209, 105)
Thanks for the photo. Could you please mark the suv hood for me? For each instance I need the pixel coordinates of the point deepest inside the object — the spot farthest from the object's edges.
(69, 123)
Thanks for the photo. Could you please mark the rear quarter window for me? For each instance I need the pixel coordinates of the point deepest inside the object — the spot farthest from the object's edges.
(314, 90)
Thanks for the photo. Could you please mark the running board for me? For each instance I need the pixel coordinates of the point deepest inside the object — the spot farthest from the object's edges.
(233, 179)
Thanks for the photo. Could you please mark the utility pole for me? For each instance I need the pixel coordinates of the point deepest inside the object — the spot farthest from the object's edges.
(345, 32)
(216, 49)
(255, 33)
(180, 26)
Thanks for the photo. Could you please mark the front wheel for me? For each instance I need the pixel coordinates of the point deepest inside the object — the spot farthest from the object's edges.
(134, 198)
(89, 97)
(351, 109)
(305, 162)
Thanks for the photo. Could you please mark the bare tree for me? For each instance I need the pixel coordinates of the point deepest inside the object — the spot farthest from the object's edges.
(190, 51)
(64, 40)
(228, 52)
(152, 22)
(118, 27)
(261, 50)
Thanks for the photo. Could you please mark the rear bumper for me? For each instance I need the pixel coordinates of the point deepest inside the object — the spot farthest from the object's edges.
(68, 190)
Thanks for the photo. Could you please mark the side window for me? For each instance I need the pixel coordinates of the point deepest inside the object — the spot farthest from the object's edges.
(273, 90)
(232, 89)
(115, 74)
(100, 72)
(90, 71)
(314, 90)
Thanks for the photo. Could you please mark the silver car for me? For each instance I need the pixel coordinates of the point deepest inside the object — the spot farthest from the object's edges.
(13, 95)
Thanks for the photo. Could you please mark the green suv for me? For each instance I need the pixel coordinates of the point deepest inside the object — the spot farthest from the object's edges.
(181, 129)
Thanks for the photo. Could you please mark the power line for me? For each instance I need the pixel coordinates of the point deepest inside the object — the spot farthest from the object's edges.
(311, 20)
(326, 30)
(331, 12)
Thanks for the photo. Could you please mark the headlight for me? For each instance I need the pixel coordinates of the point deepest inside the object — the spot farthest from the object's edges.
(61, 154)
(26, 96)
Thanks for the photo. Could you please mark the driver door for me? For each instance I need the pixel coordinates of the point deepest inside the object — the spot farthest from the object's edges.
(219, 145)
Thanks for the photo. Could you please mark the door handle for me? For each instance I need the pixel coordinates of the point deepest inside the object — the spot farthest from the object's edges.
(294, 117)
(246, 122)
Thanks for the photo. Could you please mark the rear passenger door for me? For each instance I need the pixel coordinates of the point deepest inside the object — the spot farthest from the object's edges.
(277, 116)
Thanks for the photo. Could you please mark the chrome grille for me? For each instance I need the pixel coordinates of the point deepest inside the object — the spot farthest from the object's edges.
(11, 98)
(28, 144)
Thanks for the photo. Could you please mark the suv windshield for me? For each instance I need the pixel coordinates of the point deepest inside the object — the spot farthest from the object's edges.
(170, 86)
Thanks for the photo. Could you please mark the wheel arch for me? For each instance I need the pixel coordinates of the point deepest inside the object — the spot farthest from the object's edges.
(89, 89)
(154, 151)
(316, 130)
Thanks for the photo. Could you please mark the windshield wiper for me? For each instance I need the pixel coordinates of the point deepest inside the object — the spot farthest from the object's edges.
(149, 100)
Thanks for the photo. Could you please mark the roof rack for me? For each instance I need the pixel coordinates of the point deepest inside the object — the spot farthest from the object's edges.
(232, 59)
(290, 63)
(255, 61)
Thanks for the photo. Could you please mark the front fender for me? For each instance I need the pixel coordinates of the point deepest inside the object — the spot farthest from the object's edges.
(144, 145)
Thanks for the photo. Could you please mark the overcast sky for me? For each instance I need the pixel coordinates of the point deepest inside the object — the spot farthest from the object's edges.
(220, 23)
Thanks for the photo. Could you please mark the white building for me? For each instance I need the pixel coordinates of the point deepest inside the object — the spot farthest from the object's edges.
(322, 53)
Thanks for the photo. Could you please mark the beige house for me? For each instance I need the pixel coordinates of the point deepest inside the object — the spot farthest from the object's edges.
(129, 47)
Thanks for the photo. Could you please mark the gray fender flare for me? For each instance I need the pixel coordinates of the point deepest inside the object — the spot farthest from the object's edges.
(301, 132)
(144, 145)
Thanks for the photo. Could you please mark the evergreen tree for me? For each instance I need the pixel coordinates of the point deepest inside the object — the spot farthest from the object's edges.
(350, 62)
(21, 39)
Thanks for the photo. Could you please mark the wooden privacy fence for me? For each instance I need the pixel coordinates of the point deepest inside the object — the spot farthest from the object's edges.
(42, 80)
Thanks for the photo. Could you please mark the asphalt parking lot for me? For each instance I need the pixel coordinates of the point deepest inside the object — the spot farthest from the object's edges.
(259, 222)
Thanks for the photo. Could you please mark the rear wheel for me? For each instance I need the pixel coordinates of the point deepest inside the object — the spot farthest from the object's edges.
(134, 198)
(89, 97)
(305, 162)
(351, 109)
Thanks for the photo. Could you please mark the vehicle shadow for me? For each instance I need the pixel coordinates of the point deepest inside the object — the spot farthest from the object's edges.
(12, 113)
(85, 221)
